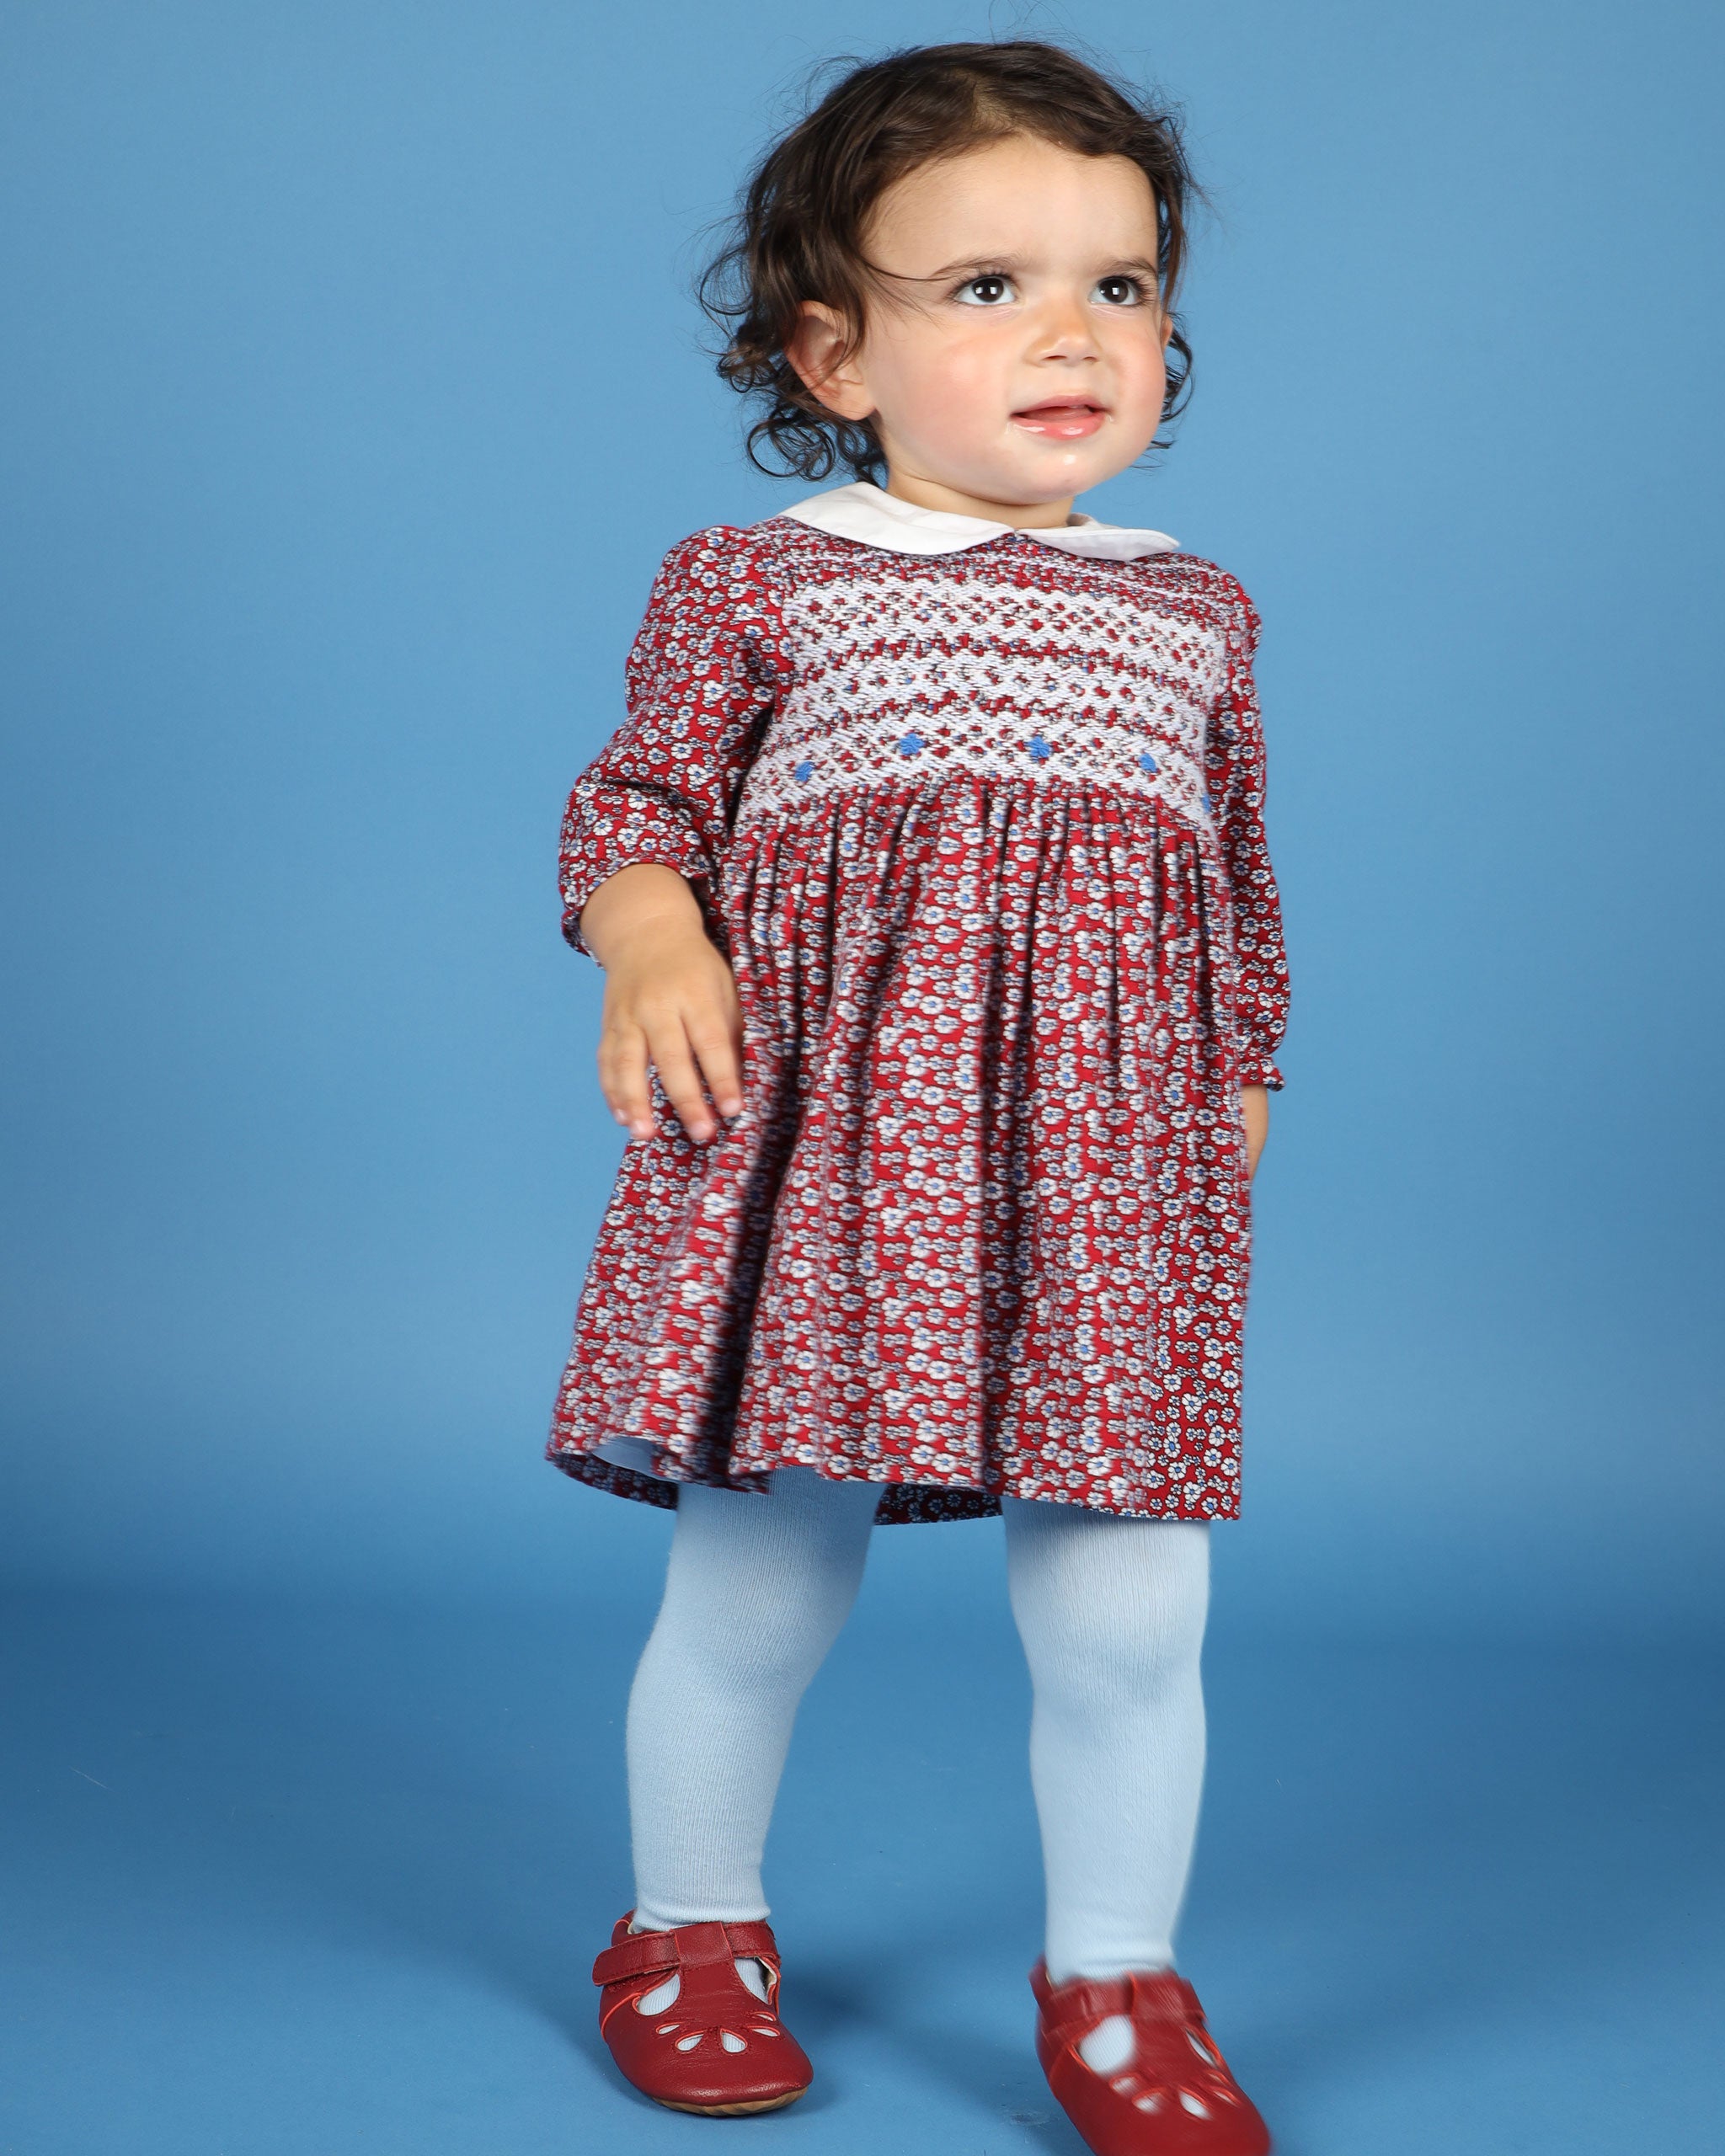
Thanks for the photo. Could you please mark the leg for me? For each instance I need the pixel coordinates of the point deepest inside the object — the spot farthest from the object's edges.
(758, 1589)
(1112, 1614)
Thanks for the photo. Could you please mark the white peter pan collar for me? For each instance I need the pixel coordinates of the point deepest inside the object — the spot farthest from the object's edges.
(869, 514)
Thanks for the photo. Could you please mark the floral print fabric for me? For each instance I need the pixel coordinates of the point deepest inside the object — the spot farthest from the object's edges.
(981, 835)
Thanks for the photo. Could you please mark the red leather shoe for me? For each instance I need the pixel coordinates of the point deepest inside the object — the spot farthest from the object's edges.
(1174, 2097)
(716, 2049)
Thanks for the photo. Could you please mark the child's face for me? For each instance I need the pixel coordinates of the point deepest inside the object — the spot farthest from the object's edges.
(1026, 362)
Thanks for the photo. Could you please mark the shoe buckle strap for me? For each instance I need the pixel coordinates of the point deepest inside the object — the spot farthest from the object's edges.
(756, 1939)
(689, 1945)
(1073, 2010)
(644, 1954)
(1070, 2010)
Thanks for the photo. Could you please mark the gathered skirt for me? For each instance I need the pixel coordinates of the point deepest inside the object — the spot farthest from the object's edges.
(982, 1225)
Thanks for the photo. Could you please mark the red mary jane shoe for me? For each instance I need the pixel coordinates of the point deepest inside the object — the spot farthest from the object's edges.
(1174, 2097)
(716, 2048)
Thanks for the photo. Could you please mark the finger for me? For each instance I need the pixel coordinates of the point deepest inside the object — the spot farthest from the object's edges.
(716, 1050)
(681, 1082)
(622, 1079)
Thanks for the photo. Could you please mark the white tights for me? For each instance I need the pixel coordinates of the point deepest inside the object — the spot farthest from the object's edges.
(1111, 1613)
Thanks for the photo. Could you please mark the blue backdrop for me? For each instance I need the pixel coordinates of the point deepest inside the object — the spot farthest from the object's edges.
(350, 392)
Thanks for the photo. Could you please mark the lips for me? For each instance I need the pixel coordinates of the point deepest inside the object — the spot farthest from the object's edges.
(1061, 418)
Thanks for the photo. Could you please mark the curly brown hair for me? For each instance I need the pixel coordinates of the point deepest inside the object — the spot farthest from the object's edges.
(797, 233)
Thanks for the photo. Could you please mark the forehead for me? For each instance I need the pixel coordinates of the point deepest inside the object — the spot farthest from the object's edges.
(1018, 196)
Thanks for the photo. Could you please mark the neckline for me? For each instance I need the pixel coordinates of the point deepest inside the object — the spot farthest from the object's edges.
(870, 516)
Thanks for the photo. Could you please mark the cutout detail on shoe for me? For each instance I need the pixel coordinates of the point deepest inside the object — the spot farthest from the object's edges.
(754, 1976)
(661, 1995)
(731, 2041)
(688, 2043)
(1199, 2109)
(1203, 2049)
(1110, 2046)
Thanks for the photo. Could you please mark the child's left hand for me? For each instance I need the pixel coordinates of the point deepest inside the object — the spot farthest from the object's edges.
(1255, 1101)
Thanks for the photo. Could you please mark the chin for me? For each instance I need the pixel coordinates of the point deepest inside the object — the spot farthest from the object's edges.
(1053, 484)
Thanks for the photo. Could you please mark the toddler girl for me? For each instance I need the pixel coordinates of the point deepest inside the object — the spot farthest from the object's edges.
(943, 971)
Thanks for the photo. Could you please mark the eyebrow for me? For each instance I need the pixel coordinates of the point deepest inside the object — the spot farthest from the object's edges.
(1016, 262)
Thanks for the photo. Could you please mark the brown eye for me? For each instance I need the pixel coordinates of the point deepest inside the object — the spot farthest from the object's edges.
(986, 292)
(1121, 291)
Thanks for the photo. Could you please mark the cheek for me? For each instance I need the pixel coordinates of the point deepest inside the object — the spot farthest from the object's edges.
(954, 384)
(1144, 374)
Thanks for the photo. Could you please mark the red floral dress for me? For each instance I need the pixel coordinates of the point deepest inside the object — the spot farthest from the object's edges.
(975, 814)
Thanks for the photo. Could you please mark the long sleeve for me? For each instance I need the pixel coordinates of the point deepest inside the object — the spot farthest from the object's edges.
(1233, 768)
(700, 683)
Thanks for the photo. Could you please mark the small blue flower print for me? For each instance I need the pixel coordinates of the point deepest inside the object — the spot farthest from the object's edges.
(803, 772)
(1146, 762)
(1209, 805)
(1039, 750)
(912, 746)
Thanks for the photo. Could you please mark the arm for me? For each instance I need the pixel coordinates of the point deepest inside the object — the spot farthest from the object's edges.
(1234, 764)
(670, 1001)
(701, 678)
(648, 820)
(1255, 1107)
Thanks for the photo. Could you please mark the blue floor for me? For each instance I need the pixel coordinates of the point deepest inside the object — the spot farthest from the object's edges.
(281, 1878)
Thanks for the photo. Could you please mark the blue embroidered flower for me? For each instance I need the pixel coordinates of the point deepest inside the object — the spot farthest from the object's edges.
(1039, 750)
(912, 746)
(803, 772)
(1146, 762)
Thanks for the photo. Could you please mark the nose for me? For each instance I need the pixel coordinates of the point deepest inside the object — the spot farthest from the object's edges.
(1064, 329)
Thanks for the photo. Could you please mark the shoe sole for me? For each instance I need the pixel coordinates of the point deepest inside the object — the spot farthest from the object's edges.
(732, 2111)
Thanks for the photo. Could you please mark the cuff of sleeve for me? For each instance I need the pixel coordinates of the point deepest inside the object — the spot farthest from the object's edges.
(1260, 1071)
(683, 854)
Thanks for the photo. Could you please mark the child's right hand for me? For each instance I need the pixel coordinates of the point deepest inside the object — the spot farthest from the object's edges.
(670, 1001)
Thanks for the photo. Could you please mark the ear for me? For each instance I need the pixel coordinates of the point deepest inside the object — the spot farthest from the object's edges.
(816, 349)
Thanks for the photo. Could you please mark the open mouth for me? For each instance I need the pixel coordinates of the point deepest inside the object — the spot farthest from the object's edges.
(1061, 418)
